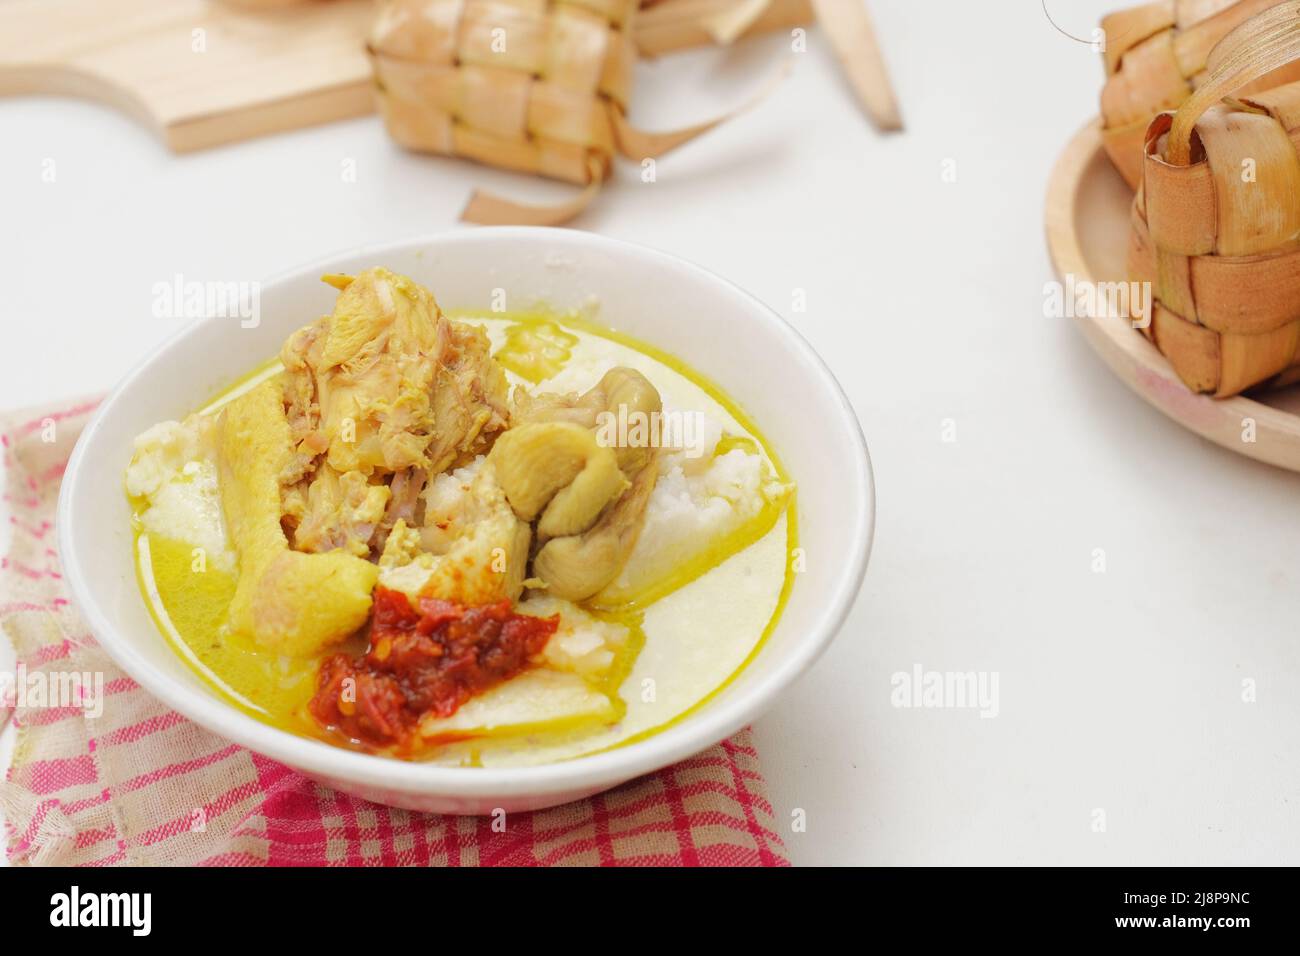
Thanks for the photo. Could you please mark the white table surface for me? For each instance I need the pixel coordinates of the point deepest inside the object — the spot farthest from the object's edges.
(1119, 691)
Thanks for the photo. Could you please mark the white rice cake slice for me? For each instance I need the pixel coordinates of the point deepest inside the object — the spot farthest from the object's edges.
(174, 470)
(691, 511)
(538, 699)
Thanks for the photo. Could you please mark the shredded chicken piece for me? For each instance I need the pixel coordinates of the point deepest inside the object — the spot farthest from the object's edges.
(378, 395)
(469, 400)
(474, 550)
(342, 511)
(404, 503)
(289, 602)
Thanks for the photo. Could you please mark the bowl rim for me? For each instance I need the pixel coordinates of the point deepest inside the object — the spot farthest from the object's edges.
(716, 722)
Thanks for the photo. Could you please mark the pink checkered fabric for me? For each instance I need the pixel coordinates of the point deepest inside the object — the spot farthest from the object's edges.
(140, 784)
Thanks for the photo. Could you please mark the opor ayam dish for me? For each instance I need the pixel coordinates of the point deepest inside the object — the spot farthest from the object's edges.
(480, 539)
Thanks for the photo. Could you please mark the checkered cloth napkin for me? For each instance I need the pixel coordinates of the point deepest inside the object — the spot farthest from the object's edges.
(140, 784)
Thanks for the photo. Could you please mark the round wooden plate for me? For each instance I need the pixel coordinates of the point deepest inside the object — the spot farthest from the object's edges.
(1087, 235)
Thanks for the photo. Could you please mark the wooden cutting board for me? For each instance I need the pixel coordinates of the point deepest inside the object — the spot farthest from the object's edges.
(204, 72)
(200, 71)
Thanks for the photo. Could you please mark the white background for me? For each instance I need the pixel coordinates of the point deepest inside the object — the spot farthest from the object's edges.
(1120, 691)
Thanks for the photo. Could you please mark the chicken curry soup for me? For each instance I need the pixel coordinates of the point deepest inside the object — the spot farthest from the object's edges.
(480, 539)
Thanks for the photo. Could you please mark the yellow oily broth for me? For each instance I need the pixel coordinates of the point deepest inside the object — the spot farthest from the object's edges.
(535, 350)
(276, 689)
(273, 687)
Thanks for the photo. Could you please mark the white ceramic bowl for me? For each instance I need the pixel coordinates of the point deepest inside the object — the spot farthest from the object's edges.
(717, 328)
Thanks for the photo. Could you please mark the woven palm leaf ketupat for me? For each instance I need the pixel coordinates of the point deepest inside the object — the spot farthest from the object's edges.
(535, 86)
(1155, 56)
(529, 85)
(1216, 223)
